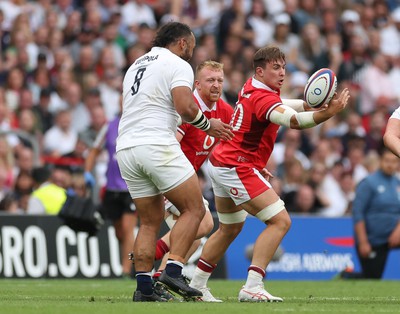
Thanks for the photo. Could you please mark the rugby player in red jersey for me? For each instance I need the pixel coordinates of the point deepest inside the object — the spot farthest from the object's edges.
(238, 175)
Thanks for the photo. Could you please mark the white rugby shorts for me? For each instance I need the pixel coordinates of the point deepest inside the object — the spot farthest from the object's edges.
(241, 184)
(153, 169)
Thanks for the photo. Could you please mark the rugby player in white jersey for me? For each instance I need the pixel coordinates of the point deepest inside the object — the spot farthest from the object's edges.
(157, 91)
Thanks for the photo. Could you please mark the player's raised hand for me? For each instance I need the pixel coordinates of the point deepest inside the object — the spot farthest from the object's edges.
(221, 130)
(339, 102)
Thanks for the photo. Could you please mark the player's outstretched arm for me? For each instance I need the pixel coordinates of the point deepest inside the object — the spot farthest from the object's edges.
(191, 113)
(287, 116)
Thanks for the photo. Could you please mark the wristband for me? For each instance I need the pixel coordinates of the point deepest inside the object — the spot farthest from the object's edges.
(201, 122)
(306, 119)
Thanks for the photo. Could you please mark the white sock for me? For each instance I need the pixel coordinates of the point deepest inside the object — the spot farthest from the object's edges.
(200, 278)
(254, 279)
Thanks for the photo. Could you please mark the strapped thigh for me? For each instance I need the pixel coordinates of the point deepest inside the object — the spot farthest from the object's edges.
(232, 218)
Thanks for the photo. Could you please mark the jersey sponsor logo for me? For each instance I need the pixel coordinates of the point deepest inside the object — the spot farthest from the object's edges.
(202, 153)
(146, 59)
(208, 142)
(235, 193)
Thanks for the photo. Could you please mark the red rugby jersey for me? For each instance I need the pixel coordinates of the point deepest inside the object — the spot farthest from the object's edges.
(255, 135)
(195, 143)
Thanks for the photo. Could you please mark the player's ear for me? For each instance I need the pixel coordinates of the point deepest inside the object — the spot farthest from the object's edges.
(260, 71)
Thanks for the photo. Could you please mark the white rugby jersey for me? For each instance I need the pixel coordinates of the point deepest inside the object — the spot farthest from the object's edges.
(148, 114)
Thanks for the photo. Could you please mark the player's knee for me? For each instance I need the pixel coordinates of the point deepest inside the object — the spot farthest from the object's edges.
(284, 223)
(206, 225)
(281, 221)
(231, 231)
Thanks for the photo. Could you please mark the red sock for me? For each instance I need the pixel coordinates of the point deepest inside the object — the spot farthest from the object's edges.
(161, 249)
(206, 266)
(257, 270)
(157, 273)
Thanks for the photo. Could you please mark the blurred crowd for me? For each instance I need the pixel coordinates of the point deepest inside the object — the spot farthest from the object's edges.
(62, 63)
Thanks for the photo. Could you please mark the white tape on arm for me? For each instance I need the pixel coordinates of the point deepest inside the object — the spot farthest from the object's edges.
(306, 119)
(282, 114)
(296, 104)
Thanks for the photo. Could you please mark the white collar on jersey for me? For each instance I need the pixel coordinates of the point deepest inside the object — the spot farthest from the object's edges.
(203, 106)
(257, 84)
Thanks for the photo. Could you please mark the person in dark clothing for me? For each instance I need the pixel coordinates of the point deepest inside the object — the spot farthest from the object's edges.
(376, 217)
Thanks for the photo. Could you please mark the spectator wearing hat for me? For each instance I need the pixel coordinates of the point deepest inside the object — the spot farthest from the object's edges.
(350, 26)
(288, 42)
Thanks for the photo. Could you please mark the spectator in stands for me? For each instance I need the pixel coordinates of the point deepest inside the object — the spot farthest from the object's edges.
(44, 118)
(98, 120)
(375, 131)
(308, 12)
(376, 217)
(23, 188)
(293, 139)
(331, 56)
(60, 139)
(354, 60)
(390, 39)
(14, 85)
(288, 42)
(354, 160)
(350, 26)
(233, 86)
(27, 124)
(234, 24)
(24, 160)
(312, 44)
(304, 201)
(61, 175)
(261, 24)
(47, 197)
(80, 115)
(377, 91)
(6, 162)
(143, 15)
(293, 176)
(110, 91)
(85, 64)
(324, 153)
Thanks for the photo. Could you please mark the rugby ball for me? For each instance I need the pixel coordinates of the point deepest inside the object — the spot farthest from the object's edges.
(320, 88)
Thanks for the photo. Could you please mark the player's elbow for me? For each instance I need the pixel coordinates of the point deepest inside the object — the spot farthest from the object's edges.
(294, 123)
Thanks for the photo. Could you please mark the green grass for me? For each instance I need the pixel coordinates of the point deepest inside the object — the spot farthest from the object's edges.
(73, 296)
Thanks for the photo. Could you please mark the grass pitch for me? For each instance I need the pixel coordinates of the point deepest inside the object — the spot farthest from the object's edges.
(72, 296)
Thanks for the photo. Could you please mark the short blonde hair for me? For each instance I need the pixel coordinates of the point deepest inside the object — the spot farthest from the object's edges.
(209, 64)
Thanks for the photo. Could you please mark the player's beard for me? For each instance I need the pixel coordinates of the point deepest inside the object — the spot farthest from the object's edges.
(187, 54)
